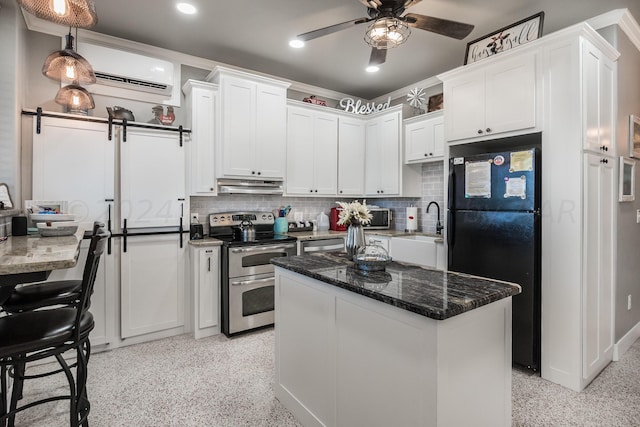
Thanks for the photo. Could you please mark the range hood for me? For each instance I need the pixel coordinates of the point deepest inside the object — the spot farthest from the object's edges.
(246, 186)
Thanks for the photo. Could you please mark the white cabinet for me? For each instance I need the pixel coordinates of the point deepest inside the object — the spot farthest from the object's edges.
(103, 297)
(75, 161)
(152, 283)
(351, 149)
(598, 268)
(424, 138)
(205, 282)
(578, 212)
(382, 155)
(152, 179)
(493, 98)
(201, 103)
(599, 86)
(312, 152)
(252, 122)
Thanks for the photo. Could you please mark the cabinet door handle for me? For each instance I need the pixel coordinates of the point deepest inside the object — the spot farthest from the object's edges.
(209, 264)
(253, 172)
(479, 131)
(488, 130)
(259, 173)
(340, 191)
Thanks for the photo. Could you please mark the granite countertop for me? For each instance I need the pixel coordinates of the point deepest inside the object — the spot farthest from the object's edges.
(431, 293)
(317, 235)
(207, 241)
(26, 254)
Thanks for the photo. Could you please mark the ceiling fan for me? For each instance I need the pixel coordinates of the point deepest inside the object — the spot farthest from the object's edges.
(389, 28)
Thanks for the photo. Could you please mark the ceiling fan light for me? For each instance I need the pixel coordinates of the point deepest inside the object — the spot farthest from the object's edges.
(75, 99)
(70, 13)
(387, 33)
(296, 44)
(372, 69)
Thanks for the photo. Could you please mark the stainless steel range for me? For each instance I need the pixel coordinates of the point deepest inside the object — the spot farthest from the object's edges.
(247, 277)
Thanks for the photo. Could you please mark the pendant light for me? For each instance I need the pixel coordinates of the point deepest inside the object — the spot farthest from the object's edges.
(68, 66)
(76, 99)
(70, 13)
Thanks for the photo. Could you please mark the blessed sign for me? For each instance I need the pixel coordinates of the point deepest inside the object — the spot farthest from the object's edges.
(357, 107)
(506, 38)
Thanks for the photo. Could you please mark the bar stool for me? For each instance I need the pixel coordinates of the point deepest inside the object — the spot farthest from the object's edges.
(34, 335)
(33, 296)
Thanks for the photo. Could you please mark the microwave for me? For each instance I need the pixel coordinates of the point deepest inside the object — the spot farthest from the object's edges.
(380, 218)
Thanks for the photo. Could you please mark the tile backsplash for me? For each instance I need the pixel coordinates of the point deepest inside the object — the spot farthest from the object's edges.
(432, 189)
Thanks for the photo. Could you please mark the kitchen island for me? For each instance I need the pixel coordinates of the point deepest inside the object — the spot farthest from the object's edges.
(408, 346)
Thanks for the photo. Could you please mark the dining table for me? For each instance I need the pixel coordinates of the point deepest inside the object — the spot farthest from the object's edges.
(31, 258)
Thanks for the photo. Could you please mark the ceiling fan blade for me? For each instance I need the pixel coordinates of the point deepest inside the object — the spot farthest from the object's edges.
(305, 37)
(378, 56)
(456, 30)
(374, 4)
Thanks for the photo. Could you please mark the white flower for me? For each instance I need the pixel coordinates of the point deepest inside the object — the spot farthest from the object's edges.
(354, 212)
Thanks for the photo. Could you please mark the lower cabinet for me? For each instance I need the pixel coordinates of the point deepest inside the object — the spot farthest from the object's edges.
(205, 282)
(152, 284)
(103, 297)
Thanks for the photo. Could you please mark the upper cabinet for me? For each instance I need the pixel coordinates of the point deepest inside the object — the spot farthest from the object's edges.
(351, 145)
(312, 152)
(252, 125)
(497, 98)
(424, 138)
(382, 154)
(599, 87)
(201, 105)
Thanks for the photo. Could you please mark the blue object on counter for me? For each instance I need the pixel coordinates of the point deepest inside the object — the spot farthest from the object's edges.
(281, 226)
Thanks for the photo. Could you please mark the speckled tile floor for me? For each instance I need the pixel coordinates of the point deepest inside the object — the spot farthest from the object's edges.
(229, 382)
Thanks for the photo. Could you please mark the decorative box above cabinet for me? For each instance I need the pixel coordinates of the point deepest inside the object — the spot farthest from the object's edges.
(251, 136)
(424, 138)
(201, 108)
(497, 97)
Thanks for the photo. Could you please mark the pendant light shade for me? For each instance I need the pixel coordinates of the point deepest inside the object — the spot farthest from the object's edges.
(70, 13)
(76, 99)
(68, 66)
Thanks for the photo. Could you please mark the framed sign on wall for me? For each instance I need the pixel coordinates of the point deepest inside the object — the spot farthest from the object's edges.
(505, 38)
(626, 183)
(634, 136)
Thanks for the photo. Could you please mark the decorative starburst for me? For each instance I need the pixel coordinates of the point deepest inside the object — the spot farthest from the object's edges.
(416, 98)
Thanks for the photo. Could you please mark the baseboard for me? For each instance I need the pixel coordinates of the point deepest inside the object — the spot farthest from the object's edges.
(626, 342)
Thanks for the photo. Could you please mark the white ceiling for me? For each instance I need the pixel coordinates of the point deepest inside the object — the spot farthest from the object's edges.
(255, 34)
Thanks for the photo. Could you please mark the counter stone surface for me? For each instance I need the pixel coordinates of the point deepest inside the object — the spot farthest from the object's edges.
(432, 293)
(207, 241)
(26, 254)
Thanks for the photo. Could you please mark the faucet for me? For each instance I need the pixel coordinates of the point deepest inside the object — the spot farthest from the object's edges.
(439, 226)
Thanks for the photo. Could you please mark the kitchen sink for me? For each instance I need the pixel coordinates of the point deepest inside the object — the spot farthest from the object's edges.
(426, 251)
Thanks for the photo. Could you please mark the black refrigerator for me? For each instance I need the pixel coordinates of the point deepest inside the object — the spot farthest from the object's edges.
(494, 231)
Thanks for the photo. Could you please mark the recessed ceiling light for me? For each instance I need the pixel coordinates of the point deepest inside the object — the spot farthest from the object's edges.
(186, 8)
(296, 43)
(372, 69)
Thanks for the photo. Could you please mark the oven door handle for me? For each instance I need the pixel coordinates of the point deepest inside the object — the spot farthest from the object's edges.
(326, 248)
(263, 248)
(249, 282)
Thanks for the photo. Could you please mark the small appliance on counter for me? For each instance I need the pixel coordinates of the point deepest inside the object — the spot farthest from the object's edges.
(411, 219)
(334, 217)
(196, 232)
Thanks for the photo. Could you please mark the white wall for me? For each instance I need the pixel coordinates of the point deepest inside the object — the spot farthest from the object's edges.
(628, 246)
(12, 35)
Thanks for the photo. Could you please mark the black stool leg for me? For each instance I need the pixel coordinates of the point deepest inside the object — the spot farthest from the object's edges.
(3, 395)
(73, 409)
(16, 392)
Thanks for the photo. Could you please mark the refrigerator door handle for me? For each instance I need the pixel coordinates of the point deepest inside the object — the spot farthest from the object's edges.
(452, 183)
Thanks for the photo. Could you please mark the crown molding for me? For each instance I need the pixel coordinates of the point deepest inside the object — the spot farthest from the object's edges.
(621, 18)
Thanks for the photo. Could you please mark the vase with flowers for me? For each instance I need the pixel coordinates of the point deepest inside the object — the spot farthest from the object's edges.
(354, 215)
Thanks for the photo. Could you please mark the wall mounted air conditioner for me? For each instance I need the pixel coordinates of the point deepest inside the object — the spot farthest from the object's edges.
(130, 75)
